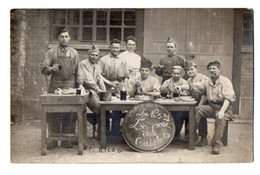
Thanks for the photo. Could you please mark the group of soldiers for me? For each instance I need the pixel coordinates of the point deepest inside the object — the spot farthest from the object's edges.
(111, 72)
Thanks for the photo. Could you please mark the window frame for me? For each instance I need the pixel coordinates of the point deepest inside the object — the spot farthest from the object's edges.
(94, 26)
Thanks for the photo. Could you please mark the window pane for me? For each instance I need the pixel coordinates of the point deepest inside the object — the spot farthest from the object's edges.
(74, 33)
(248, 21)
(248, 37)
(116, 18)
(101, 34)
(73, 17)
(87, 21)
(55, 32)
(87, 33)
(129, 22)
(115, 33)
(87, 14)
(128, 32)
(130, 15)
(87, 17)
(115, 15)
(101, 22)
(101, 14)
(59, 17)
(115, 22)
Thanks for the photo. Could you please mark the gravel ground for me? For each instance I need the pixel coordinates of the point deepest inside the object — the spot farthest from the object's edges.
(26, 144)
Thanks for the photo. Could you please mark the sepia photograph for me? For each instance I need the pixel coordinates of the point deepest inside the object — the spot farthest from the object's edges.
(131, 85)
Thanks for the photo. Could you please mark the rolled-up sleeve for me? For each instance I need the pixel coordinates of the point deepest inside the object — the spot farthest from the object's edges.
(228, 91)
(165, 86)
(47, 64)
(84, 76)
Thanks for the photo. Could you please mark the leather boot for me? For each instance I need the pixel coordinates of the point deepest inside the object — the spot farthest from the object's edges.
(66, 144)
(215, 149)
(53, 144)
(203, 141)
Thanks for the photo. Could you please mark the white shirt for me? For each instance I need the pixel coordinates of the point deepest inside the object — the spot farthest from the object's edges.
(133, 60)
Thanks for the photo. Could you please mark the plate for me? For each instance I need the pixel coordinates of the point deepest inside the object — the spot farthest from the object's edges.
(186, 97)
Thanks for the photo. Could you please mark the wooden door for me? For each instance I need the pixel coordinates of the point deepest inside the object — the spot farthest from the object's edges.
(202, 35)
(210, 37)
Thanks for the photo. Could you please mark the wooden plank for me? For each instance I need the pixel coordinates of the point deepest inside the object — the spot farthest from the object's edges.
(63, 99)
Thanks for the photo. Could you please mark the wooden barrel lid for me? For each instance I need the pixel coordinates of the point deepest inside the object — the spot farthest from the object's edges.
(148, 127)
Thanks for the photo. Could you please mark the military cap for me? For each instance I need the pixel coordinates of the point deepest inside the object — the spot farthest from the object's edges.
(146, 63)
(213, 63)
(191, 64)
(93, 49)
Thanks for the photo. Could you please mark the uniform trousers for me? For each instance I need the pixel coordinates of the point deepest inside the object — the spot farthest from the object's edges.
(202, 112)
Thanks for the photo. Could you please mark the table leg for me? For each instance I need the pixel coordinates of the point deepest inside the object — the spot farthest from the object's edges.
(84, 129)
(103, 127)
(43, 132)
(191, 127)
(80, 133)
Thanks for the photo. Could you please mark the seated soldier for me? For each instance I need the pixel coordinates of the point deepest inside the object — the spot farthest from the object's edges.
(219, 92)
(145, 83)
(170, 87)
(89, 77)
(195, 79)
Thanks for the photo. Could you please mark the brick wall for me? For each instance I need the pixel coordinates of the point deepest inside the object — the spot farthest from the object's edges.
(247, 73)
(37, 44)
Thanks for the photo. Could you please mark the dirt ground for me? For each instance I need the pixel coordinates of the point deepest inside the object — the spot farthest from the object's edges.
(26, 144)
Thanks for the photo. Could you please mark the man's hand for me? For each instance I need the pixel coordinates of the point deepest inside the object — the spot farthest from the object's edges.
(83, 91)
(138, 84)
(157, 66)
(99, 91)
(114, 84)
(55, 67)
(220, 115)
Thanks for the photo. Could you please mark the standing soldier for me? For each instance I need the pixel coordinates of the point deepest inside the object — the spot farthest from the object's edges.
(114, 70)
(169, 60)
(61, 63)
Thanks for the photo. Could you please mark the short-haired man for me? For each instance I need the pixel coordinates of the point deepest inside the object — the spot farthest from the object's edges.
(61, 63)
(170, 87)
(145, 83)
(219, 92)
(169, 60)
(195, 79)
(90, 78)
(114, 69)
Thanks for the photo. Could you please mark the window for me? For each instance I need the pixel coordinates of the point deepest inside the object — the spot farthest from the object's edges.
(248, 28)
(95, 25)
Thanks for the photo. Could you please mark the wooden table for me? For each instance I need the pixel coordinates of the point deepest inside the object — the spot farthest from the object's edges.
(53, 103)
(169, 104)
